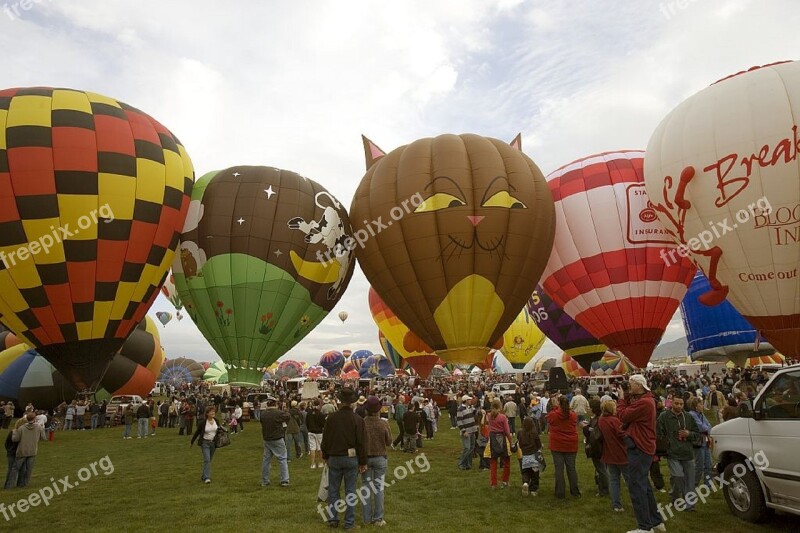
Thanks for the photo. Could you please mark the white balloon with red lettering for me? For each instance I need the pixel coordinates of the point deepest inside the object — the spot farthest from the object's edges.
(722, 172)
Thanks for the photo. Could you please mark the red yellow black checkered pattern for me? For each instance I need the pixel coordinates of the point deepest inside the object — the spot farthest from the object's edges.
(63, 155)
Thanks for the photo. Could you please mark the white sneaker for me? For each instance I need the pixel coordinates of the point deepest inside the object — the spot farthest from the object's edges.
(640, 531)
(525, 489)
(660, 527)
(313, 465)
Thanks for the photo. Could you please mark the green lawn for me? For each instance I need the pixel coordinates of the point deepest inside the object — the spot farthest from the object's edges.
(155, 486)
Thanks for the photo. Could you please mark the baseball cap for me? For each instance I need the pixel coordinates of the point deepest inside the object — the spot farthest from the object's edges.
(466, 397)
(638, 378)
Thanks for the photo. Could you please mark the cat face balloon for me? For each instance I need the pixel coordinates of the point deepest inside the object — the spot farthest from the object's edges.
(453, 232)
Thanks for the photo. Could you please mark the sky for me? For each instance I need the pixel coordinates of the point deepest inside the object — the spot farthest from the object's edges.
(295, 84)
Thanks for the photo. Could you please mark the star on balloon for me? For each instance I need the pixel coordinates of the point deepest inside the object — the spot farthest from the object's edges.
(240, 221)
(236, 174)
(269, 192)
(278, 253)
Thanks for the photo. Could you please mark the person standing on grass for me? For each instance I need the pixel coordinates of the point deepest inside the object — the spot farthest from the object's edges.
(127, 417)
(510, 409)
(714, 404)
(27, 436)
(615, 454)
(237, 414)
(344, 449)
(315, 421)
(600, 472)
(563, 424)
(580, 405)
(94, 409)
(379, 436)
(529, 444)
(206, 432)
(465, 420)
(142, 418)
(70, 415)
(293, 436)
(679, 431)
(399, 413)
(499, 439)
(702, 453)
(637, 411)
(410, 423)
(273, 431)
(8, 410)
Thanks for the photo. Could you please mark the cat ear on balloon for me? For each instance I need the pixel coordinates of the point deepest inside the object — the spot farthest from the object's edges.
(373, 152)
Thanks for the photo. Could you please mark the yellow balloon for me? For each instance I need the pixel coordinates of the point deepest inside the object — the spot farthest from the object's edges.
(522, 340)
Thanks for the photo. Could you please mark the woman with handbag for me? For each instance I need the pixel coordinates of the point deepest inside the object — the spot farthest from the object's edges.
(499, 442)
(207, 432)
(564, 445)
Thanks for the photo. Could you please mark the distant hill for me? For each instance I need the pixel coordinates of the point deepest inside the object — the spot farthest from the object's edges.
(674, 348)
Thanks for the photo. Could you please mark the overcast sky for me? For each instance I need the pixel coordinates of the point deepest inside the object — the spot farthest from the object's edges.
(295, 84)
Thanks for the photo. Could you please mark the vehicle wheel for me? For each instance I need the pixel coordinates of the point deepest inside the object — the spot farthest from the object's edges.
(744, 495)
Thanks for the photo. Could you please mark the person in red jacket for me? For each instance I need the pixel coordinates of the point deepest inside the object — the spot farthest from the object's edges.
(564, 445)
(638, 415)
(615, 453)
(499, 437)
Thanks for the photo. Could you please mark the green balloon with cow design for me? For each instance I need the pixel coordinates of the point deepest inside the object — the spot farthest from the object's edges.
(264, 256)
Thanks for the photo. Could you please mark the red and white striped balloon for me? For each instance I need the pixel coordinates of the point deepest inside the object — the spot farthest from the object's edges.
(610, 268)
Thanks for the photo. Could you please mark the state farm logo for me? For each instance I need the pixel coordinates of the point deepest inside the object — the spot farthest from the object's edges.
(648, 214)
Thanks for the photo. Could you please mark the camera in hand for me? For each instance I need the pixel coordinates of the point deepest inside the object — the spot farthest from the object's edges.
(624, 386)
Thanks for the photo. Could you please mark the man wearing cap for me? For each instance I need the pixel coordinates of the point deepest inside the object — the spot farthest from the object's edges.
(344, 449)
(360, 409)
(637, 411)
(465, 419)
(273, 430)
(379, 436)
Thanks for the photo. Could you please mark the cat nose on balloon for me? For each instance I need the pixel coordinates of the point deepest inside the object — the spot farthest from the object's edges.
(475, 219)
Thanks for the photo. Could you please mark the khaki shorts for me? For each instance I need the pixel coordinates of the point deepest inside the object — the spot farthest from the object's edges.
(315, 442)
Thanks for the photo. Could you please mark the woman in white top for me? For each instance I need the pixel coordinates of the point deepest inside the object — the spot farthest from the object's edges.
(206, 431)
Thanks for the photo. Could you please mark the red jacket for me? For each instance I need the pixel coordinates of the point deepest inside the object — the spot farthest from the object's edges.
(563, 432)
(639, 421)
(614, 450)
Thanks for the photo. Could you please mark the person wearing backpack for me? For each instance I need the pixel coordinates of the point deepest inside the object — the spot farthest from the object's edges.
(593, 445)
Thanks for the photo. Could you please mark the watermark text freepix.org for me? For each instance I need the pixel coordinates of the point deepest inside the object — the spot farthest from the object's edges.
(361, 236)
(760, 207)
(59, 487)
(373, 487)
(56, 236)
(14, 9)
(701, 493)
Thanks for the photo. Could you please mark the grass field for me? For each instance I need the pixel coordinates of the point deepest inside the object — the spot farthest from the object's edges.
(155, 486)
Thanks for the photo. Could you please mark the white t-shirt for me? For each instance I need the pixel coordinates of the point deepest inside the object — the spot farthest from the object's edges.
(211, 430)
(41, 420)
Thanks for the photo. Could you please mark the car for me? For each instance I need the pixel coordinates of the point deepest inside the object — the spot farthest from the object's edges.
(756, 454)
(119, 403)
(159, 389)
(600, 385)
(504, 390)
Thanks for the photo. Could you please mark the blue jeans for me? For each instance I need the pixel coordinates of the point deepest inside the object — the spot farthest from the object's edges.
(208, 449)
(681, 477)
(21, 471)
(142, 427)
(278, 449)
(339, 468)
(373, 478)
(562, 460)
(467, 446)
(614, 473)
(297, 439)
(8, 484)
(79, 420)
(702, 466)
(67, 424)
(127, 432)
(94, 421)
(642, 497)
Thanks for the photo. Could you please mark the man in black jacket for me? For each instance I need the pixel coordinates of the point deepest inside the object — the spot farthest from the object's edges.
(344, 449)
(273, 430)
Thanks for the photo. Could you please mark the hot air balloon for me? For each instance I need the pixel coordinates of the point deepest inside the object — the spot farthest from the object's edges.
(347, 354)
(7, 339)
(171, 293)
(349, 367)
(465, 227)
(260, 267)
(571, 367)
(332, 361)
(164, 317)
(718, 333)
(289, 370)
(27, 377)
(315, 372)
(216, 373)
(343, 316)
(358, 358)
(612, 364)
(106, 210)
(774, 359)
(134, 369)
(375, 366)
(722, 173)
(560, 328)
(439, 372)
(413, 351)
(351, 374)
(394, 356)
(606, 270)
(177, 372)
(522, 340)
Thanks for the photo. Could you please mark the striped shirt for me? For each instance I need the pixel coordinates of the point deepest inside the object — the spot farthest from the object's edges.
(465, 419)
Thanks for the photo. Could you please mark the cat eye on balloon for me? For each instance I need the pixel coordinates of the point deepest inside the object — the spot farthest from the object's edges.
(503, 199)
(438, 201)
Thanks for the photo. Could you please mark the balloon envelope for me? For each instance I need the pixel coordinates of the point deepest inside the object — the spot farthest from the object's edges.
(471, 228)
(332, 361)
(718, 333)
(262, 262)
(522, 340)
(607, 269)
(181, 371)
(722, 173)
(118, 183)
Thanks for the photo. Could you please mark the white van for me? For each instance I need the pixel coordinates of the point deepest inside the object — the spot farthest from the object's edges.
(757, 453)
(504, 390)
(117, 404)
(158, 389)
(599, 385)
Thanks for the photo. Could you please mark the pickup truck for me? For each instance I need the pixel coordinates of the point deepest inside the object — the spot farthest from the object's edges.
(757, 453)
